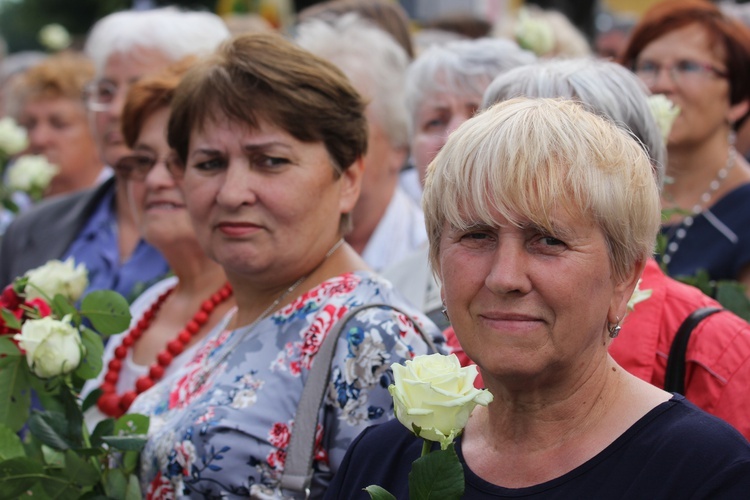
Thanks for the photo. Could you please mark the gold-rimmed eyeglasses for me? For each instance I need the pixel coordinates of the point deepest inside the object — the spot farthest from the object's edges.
(685, 72)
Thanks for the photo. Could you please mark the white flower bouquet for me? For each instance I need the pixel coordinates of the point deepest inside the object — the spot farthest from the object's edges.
(47, 349)
(30, 174)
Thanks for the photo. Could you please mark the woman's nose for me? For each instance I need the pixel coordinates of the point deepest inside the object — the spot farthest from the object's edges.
(509, 270)
(236, 186)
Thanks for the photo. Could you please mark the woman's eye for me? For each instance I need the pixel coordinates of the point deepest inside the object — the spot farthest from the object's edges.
(550, 241)
(434, 124)
(272, 161)
(209, 165)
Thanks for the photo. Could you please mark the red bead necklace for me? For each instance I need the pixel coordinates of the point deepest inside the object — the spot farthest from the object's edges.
(113, 405)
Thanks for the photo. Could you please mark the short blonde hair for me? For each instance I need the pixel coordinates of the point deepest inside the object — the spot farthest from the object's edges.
(530, 159)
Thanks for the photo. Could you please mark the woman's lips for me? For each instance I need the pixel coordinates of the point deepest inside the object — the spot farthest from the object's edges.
(237, 229)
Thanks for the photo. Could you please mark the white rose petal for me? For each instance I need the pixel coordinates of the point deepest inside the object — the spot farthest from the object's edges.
(56, 277)
(31, 172)
(53, 347)
(664, 111)
(54, 36)
(534, 34)
(13, 138)
(436, 394)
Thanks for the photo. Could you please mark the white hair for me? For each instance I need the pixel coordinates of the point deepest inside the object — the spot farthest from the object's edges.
(604, 87)
(463, 67)
(368, 56)
(173, 32)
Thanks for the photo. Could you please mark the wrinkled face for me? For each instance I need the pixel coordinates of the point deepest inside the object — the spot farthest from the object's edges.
(437, 116)
(687, 69)
(528, 306)
(120, 71)
(263, 204)
(156, 200)
(59, 130)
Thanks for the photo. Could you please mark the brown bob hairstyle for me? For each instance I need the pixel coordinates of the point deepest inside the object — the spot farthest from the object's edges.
(150, 94)
(264, 77)
(728, 36)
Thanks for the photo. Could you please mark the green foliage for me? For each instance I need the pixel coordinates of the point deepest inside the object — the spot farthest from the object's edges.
(59, 458)
(437, 476)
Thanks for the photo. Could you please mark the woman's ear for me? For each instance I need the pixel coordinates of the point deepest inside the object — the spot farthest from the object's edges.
(737, 111)
(623, 292)
(351, 185)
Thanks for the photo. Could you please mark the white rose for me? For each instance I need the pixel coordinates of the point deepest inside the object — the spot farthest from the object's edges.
(534, 34)
(13, 138)
(56, 277)
(54, 36)
(664, 111)
(53, 347)
(436, 394)
(31, 172)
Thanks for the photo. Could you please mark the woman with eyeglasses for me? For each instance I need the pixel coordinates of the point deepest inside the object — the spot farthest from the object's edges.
(699, 58)
(174, 314)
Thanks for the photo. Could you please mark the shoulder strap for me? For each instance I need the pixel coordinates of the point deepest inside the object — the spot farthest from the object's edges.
(297, 473)
(674, 378)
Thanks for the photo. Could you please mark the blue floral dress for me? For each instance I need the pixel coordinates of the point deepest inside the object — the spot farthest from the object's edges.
(220, 426)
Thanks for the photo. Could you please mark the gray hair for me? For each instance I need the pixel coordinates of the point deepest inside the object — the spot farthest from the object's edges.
(368, 56)
(463, 67)
(604, 87)
(173, 32)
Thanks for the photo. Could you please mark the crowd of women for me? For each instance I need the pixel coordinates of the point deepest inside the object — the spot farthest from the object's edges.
(265, 199)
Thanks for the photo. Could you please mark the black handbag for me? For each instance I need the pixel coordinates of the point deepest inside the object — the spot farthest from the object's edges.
(674, 378)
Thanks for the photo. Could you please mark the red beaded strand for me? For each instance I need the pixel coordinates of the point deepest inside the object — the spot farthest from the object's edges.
(113, 405)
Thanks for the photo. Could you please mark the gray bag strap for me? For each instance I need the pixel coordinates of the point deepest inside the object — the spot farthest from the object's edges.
(297, 473)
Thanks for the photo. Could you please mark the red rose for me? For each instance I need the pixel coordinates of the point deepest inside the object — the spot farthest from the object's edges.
(42, 308)
(9, 298)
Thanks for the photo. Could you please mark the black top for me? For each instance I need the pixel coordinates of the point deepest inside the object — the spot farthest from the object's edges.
(675, 451)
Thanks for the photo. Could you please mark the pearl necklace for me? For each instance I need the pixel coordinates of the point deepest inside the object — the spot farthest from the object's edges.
(113, 405)
(681, 229)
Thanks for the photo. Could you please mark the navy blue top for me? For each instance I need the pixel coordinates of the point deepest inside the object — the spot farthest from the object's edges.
(718, 241)
(674, 451)
(98, 248)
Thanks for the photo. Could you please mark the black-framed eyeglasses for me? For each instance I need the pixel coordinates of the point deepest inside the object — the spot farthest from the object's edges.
(136, 166)
(683, 72)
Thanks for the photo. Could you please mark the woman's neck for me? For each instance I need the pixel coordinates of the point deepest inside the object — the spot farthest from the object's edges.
(541, 435)
(255, 295)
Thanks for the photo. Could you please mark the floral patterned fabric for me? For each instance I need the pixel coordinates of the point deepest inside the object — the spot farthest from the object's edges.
(221, 425)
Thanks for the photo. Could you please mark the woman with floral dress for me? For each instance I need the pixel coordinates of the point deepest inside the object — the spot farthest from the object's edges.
(270, 141)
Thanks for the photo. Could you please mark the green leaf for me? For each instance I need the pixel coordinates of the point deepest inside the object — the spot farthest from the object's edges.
(10, 444)
(50, 428)
(731, 295)
(18, 475)
(81, 471)
(8, 347)
(115, 483)
(53, 458)
(104, 428)
(15, 397)
(378, 493)
(10, 319)
(91, 364)
(108, 311)
(131, 424)
(91, 399)
(62, 306)
(73, 416)
(126, 443)
(133, 491)
(437, 476)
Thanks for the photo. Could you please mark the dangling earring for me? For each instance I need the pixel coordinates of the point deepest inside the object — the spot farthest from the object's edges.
(614, 329)
(444, 310)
